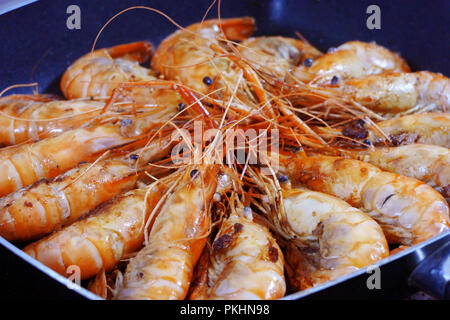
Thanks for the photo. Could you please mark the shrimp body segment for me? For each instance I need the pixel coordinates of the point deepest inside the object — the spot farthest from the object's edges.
(339, 238)
(408, 210)
(163, 269)
(428, 163)
(101, 240)
(246, 263)
(22, 120)
(187, 56)
(398, 93)
(355, 59)
(96, 74)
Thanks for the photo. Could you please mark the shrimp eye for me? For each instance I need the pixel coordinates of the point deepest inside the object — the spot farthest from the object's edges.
(283, 179)
(297, 149)
(308, 62)
(134, 157)
(194, 173)
(126, 122)
(334, 80)
(181, 106)
(207, 80)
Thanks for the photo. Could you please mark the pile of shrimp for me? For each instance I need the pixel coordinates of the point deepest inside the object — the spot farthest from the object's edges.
(361, 171)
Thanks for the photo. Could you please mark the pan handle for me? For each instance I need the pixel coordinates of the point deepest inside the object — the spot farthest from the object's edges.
(432, 275)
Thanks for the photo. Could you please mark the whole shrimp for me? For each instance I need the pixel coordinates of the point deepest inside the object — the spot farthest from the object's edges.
(163, 269)
(428, 163)
(105, 237)
(97, 73)
(401, 93)
(187, 55)
(46, 205)
(408, 210)
(352, 59)
(245, 263)
(332, 237)
(22, 118)
(277, 55)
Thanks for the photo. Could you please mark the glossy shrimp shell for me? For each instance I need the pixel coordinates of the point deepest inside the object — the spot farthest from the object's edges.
(43, 207)
(28, 163)
(428, 163)
(354, 59)
(101, 240)
(400, 93)
(334, 238)
(187, 56)
(163, 269)
(426, 128)
(245, 263)
(23, 119)
(96, 74)
(277, 55)
(408, 210)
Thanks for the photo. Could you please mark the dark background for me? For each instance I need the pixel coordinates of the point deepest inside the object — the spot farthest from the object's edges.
(37, 46)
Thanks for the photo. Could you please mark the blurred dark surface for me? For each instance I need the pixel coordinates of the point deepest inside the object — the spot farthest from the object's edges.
(36, 46)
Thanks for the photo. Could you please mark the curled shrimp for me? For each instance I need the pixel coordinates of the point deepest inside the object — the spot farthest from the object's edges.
(277, 55)
(163, 269)
(23, 118)
(332, 237)
(46, 205)
(101, 240)
(187, 55)
(428, 163)
(408, 210)
(97, 73)
(245, 263)
(352, 59)
(400, 93)
(335, 238)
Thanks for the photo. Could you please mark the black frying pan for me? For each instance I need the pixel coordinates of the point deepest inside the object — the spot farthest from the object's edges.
(37, 46)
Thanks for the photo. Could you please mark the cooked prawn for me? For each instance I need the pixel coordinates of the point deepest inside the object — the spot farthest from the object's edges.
(41, 208)
(400, 93)
(428, 163)
(352, 59)
(101, 240)
(408, 210)
(163, 269)
(23, 119)
(97, 73)
(187, 55)
(245, 263)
